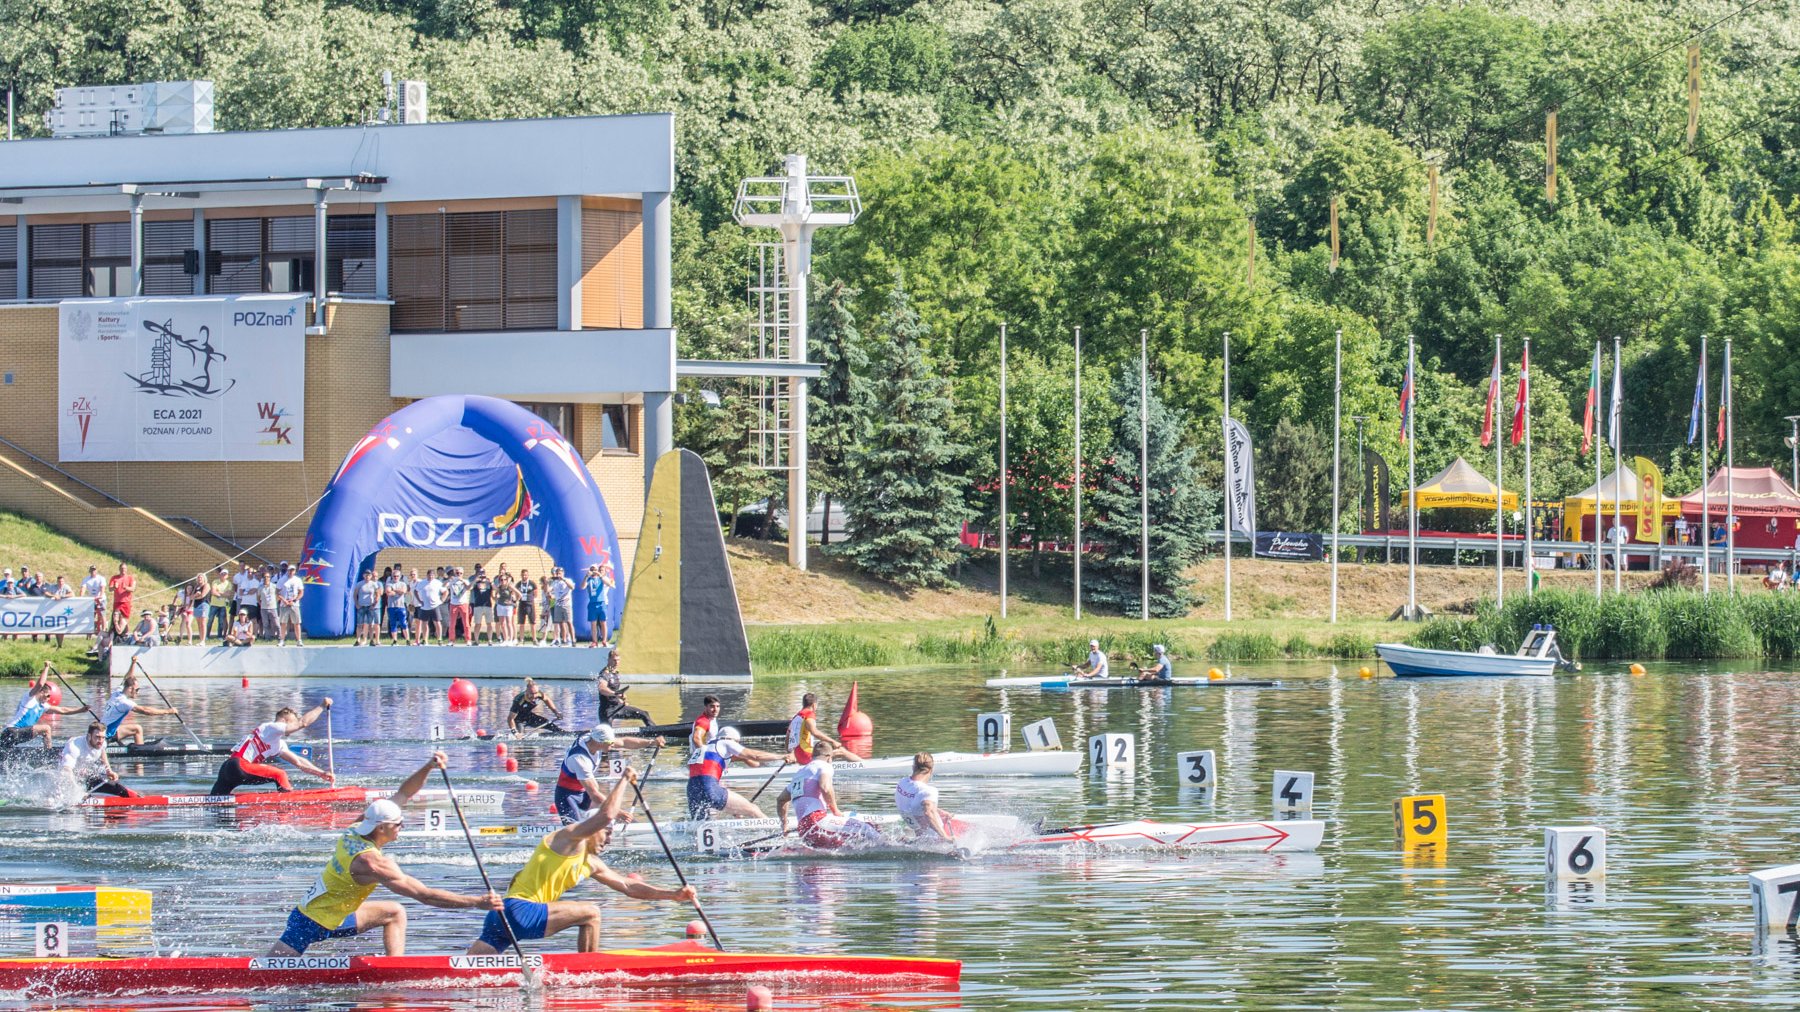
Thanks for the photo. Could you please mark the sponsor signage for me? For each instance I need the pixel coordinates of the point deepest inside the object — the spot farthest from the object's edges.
(506, 962)
(1282, 545)
(65, 616)
(206, 378)
(300, 963)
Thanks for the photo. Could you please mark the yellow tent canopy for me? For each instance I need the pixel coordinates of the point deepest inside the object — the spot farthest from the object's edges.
(1459, 486)
(1620, 486)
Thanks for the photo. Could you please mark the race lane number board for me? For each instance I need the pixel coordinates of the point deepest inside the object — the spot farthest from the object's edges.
(1196, 769)
(1574, 852)
(1775, 897)
(707, 839)
(993, 728)
(1112, 751)
(1420, 821)
(1042, 736)
(50, 940)
(1292, 791)
(615, 764)
(437, 820)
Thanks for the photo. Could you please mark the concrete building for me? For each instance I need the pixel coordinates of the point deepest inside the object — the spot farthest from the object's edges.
(521, 259)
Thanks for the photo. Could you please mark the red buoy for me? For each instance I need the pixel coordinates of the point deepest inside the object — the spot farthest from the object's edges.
(854, 723)
(500, 749)
(245, 682)
(55, 696)
(530, 786)
(462, 692)
(759, 999)
(695, 928)
(512, 765)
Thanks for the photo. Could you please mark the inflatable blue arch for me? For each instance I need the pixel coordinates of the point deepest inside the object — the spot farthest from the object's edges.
(465, 473)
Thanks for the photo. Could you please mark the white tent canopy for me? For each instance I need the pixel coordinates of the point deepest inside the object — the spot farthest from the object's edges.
(1620, 485)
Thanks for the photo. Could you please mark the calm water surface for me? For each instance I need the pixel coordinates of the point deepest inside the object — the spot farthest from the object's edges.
(1690, 771)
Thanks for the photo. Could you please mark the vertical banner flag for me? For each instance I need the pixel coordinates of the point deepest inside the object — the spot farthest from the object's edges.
(1378, 503)
(1431, 204)
(1694, 413)
(1493, 401)
(1693, 93)
(1240, 477)
(1550, 156)
(1650, 487)
(1521, 404)
(219, 378)
(1724, 393)
(1406, 403)
(1615, 423)
(1334, 232)
(1590, 414)
(1250, 251)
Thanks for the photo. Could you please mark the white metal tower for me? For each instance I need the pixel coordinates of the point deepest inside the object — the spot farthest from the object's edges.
(797, 204)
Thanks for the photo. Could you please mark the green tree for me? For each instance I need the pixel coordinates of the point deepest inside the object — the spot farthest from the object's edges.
(840, 403)
(1293, 470)
(906, 506)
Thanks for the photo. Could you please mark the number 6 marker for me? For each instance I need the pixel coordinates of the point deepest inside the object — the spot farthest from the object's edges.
(1420, 821)
(1574, 852)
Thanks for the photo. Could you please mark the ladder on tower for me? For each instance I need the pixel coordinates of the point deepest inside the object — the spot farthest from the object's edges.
(772, 323)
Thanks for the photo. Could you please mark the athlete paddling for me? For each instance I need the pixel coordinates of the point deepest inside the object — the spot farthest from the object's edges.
(803, 731)
(1095, 665)
(116, 714)
(84, 756)
(524, 715)
(916, 798)
(578, 780)
(818, 819)
(28, 721)
(706, 791)
(250, 762)
(534, 904)
(1162, 671)
(338, 905)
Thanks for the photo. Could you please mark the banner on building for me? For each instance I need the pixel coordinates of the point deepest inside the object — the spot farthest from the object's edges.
(217, 378)
(1240, 477)
(61, 616)
(1283, 545)
(1650, 488)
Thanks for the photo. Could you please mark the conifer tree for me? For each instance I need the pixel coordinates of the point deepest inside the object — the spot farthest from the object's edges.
(1181, 511)
(840, 397)
(904, 503)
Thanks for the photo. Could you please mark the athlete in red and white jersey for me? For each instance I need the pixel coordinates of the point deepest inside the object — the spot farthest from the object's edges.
(706, 728)
(816, 813)
(250, 762)
(916, 798)
(803, 730)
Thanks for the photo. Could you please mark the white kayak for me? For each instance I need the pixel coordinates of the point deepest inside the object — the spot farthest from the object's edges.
(1262, 837)
(948, 764)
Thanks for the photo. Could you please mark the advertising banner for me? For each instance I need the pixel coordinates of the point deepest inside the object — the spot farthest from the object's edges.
(216, 378)
(1240, 477)
(1650, 486)
(1282, 545)
(66, 616)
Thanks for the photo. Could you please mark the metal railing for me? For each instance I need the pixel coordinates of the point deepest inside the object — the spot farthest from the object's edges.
(1658, 554)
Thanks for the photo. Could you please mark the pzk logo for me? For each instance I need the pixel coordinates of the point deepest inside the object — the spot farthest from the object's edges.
(83, 413)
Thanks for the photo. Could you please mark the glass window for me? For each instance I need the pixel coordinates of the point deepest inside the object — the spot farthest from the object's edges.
(9, 262)
(278, 255)
(473, 271)
(560, 416)
(615, 427)
(70, 261)
(164, 244)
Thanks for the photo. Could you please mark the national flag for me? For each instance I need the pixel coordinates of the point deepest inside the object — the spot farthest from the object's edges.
(1493, 399)
(1725, 395)
(1521, 403)
(1591, 413)
(1695, 412)
(1616, 423)
(1406, 403)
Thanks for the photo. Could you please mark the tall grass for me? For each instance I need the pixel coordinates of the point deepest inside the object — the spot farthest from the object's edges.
(1243, 647)
(1677, 624)
(816, 650)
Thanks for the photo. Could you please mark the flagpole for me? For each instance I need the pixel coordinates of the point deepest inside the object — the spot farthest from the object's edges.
(1599, 588)
(1144, 472)
(1412, 492)
(1525, 379)
(1003, 470)
(1730, 403)
(1618, 427)
(1337, 463)
(1499, 476)
(1705, 482)
(1077, 555)
(1228, 475)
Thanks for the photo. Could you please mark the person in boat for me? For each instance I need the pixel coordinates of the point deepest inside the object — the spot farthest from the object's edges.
(613, 707)
(1159, 671)
(338, 904)
(917, 799)
(524, 713)
(1095, 666)
(578, 779)
(117, 715)
(706, 727)
(252, 761)
(706, 791)
(534, 907)
(84, 757)
(28, 720)
(817, 818)
(803, 731)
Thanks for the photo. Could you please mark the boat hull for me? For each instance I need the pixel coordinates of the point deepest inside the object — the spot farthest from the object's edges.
(1418, 662)
(320, 796)
(1294, 836)
(947, 764)
(1131, 683)
(684, 961)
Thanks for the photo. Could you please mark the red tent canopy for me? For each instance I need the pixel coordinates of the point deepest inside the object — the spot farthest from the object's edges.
(1757, 491)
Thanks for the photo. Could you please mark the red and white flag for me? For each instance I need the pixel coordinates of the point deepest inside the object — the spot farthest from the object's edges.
(1493, 400)
(1521, 404)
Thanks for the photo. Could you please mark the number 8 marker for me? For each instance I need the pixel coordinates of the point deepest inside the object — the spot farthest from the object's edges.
(51, 940)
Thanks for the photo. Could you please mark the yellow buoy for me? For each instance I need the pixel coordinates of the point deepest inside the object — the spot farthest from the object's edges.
(1215, 674)
(1637, 669)
(1366, 672)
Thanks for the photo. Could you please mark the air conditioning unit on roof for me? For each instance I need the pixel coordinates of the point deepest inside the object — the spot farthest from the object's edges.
(414, 101)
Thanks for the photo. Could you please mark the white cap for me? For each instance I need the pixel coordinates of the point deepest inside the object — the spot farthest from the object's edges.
(730, 732)
(603, 734)
(379, 813)
(1159, 648)
(1093, 643)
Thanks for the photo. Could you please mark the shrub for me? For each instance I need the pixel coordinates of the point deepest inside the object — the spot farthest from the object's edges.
(1701, 626)
(1243, 647)
(1348, 645)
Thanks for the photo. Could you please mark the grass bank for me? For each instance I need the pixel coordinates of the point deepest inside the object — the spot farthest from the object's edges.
(1646, 626)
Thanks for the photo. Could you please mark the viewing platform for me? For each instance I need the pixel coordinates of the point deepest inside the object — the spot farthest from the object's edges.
(344, 661)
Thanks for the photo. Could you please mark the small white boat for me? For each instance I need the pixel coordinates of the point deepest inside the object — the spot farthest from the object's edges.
(1142, 834)
(1073, 682)
(948, 764)
(1537, 656)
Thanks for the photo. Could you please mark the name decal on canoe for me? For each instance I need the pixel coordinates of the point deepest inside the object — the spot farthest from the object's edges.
(493, 962)
(300, 963)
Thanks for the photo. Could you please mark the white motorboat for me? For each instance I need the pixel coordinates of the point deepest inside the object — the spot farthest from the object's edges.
(1538, 655)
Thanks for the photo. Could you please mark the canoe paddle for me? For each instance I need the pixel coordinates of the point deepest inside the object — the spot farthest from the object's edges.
(766, 783)
(682, 878)
(165, 699)
(330, 751)
(59, 677)
(525, 974)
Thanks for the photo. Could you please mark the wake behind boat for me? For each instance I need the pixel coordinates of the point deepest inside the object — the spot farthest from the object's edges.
(949, 764)
(1068, 682)
(1537, 656)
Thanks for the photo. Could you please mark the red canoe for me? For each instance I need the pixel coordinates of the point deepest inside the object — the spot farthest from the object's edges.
(315, 796)
(687, 961)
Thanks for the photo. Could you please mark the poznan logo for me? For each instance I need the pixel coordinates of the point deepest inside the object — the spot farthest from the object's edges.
(262, 318)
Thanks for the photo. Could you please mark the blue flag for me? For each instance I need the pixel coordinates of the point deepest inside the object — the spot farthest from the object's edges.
(1697, 411)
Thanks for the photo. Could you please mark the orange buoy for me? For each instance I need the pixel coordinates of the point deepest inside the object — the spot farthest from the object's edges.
(530, 786)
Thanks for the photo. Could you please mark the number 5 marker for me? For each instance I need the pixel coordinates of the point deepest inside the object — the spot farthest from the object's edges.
(1419, 821)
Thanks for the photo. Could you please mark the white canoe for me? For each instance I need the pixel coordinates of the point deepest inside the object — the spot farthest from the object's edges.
(948, 764)
(1261, 837)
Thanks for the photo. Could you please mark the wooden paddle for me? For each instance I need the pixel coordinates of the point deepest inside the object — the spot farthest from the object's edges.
(648, 814)
(525, 974)
(772, 776)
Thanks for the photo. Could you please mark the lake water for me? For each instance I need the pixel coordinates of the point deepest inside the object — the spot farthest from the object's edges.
(1690, 771)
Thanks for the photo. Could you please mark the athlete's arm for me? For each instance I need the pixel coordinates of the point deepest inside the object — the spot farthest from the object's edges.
(638, 889)
(153, 711)
(826, 792)
(632, 741)
(372, 867)
(933, 816)
(302, 763)
(411, 785)
(781, 807)
(66, 710)
(306, 719)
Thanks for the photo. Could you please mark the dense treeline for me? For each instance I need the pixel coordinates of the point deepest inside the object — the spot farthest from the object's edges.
(1054, 163)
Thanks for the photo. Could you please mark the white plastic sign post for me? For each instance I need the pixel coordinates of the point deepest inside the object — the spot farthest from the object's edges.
(1574, 852)
(437, 732)
(993, 728)
(615, 764)
(1292, 791)
(50, 940)
(1775, 897)
(437, 820)
(1196, 769)
(707, 839)
(1112, 751)
(1042, 736)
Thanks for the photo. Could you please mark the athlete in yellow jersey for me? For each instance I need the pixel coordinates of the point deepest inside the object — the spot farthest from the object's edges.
(534, 904)
(338, 904)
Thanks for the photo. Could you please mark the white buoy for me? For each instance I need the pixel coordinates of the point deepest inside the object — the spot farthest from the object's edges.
(1042, 737)
(1775, 897)
(1112, 751)
(1292, 791)
(1574, 853)
(1198, 770)
(993, 729)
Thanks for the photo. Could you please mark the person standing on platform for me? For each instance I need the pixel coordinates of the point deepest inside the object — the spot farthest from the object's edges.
(289, 589)
(595, 585)
(59, 591)
(528, 609)
(481, 600)
(457, 589)
(122, 587)
(199, 599)
(93, 589)
(218, 605)
(368, 609)
(506, 607)
(268, 604)
(560, 591)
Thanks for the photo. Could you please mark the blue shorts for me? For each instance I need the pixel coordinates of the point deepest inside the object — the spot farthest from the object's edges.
(367, 615)
(397, 619)
(527, 917)
(303, 932)
(706, 795)
(112, 729)
(571, 806)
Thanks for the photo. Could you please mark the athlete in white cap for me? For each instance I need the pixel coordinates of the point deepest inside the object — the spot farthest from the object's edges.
(706, 790)
(1161, 671)
(1096, 666)
(578, 781)
(338, 904)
